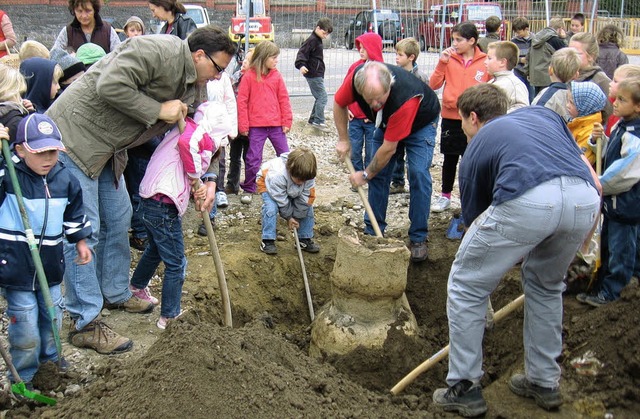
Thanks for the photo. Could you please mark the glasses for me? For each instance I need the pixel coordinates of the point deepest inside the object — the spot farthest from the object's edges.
(217, 67)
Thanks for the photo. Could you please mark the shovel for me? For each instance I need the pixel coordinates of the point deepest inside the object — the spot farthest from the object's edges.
(365, 202)
(42, 279)
(19, 387)
(304, 275)
(444, 352)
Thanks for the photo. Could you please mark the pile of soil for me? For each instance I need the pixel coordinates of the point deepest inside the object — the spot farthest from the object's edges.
(260, 367)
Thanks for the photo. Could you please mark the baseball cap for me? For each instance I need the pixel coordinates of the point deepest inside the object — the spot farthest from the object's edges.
(38, 133)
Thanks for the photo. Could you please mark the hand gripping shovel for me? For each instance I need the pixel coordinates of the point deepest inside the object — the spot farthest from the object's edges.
(304, 275)
(217, 261)
(365, 202)
(33, 246)
(19, 387)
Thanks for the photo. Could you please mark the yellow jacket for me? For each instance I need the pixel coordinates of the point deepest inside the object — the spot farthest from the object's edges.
(581, 128)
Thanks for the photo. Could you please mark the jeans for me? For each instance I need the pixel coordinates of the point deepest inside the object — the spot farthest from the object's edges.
(397, 174)
(257, 137)
(544, 227)
(619, 251)
(220, 183)
(164, 229)
(361, 135)
(270, 218)
(316, 84)
(30, 330)
(106, 277)
(419, 147)
(237, 154)
(133, 174)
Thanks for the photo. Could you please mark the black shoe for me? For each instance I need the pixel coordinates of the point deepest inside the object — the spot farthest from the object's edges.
(419, 251)
(463, 398)
(138, 243)
(546, 398)
(269, 247)
(396, 188)
(202, 229)
(308, 245)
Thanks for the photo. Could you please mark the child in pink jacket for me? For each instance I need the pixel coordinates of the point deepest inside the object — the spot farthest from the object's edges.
(264, 111)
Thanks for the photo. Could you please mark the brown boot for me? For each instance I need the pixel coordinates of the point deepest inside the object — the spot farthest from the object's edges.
(132, 305)
(98, 336)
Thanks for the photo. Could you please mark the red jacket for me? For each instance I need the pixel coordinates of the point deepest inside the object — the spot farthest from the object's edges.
(372, 43)
(457, 78)
(263, 103)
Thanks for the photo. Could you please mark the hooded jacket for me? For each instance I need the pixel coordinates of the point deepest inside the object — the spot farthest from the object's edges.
(54, 207)
(621, 177)
(457, 77)
(372, 43)
(38, 72)
(543, 45)
(263, 103)
(11, 114)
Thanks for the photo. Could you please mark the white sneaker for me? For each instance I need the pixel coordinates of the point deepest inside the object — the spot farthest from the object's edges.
(443, 203)
(221, 199)
(321, 127)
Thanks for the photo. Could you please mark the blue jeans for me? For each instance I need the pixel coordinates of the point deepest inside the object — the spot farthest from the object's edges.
(270, 218)
(619, 251)
(106, 277)
(419, 147)
(164, 229)
(316, 84)
(361, 135)
(543, 227)
(397, 175)
(30, 330)
(133, 174)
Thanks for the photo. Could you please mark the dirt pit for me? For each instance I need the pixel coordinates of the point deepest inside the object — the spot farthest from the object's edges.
(260, 368)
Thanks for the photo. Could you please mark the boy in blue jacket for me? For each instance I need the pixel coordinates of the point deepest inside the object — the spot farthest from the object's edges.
(53, 199)
(621, 191)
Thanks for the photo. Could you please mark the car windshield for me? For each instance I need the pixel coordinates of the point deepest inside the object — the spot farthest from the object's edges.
(195, 15)
(482, 12)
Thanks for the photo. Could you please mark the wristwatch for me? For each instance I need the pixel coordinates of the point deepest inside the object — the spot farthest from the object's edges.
(209, 177)
(365, 175)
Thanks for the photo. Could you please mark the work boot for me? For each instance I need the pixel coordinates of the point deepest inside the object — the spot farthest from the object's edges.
(418, 251)
(309, 245)
(202, 229)
(464, 398)
(269, 247)
(99, 337)
(132, 305)
(396, 188)
(546, 398)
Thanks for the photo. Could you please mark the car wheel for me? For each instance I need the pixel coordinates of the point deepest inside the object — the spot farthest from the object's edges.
(387, 31)
(423, 44)
(348, 43)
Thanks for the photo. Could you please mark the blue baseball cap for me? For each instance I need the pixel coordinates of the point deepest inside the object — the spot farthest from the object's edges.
(38, 133)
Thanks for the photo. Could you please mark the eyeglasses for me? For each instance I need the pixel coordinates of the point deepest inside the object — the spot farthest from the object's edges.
(217, 67)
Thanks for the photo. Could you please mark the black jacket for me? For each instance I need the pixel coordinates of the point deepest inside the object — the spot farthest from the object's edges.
(182, 26)
(311, 56)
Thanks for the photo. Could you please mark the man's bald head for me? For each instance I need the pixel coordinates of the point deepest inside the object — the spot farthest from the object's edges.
(374, 82)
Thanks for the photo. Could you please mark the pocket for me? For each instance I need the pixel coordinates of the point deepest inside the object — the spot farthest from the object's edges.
(519, 220)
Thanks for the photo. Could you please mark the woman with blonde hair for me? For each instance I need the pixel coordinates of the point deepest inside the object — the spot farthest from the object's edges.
(12, 107)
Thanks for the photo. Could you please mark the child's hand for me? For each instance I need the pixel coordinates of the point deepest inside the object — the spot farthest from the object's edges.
(28, 105)
(304, 70)
(84, 253)
(293, 223)
(598, 131)
(286, 130)
(446, 54)
(350, 115)
(4, 133)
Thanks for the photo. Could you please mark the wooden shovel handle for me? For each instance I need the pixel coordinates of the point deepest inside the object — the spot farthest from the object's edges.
(365, 202)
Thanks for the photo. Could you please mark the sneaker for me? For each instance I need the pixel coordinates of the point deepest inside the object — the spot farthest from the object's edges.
(396, 188)
(595, 300)
(464, 398)
(221, 199)
(418, 251)
(132, 305)
(268, 247)
(546, 398)
(144, 294)
(202, 229)
(99, 337)
(320, 126)
(246, 199)
(138, 243)
(308, 245)
(164, 321)
(443, 203)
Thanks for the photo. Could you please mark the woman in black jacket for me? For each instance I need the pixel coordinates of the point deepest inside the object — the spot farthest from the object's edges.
(174, 14)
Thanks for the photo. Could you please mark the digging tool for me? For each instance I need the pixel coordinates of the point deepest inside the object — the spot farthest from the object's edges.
(304, 275)
(33, 247)
(365, 202)
(19, 387)
(217, 261)
(444, 352)
(598, 227)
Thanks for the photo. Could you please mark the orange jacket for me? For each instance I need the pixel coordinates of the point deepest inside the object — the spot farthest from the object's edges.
(456, 78)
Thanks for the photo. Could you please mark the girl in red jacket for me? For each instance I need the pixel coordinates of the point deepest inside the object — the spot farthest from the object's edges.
(264, 111)
(460, 66)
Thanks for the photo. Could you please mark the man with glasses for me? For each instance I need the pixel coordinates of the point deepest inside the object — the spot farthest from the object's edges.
(138, 91)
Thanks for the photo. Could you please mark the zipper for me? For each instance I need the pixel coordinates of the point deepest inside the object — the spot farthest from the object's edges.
(47, 195)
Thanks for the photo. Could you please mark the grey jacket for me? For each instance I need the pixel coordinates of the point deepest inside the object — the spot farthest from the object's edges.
(543, 45)
(115, 105)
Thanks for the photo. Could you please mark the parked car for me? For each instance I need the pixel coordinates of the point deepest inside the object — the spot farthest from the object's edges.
(429, 30)
(385, 23)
